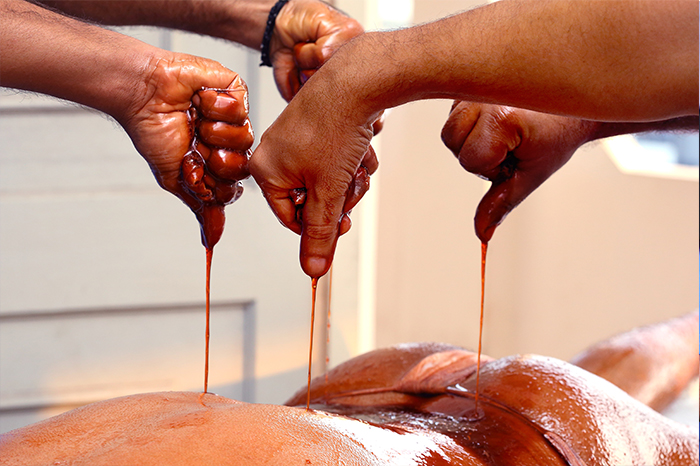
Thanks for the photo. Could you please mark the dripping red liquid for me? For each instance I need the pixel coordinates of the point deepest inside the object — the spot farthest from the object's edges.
(484, 247)
(314, 283)
(210, 253)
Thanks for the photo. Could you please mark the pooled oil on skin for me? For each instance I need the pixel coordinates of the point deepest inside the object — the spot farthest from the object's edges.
(501, 436)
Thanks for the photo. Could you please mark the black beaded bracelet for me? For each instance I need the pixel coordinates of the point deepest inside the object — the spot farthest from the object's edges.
(269, 28)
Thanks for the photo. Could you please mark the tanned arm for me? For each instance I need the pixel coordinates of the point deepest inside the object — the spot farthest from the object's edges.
(623, 61)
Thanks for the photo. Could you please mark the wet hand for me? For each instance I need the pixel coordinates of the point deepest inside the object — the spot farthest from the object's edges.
(307, 33)
(517, 150)
(192, 127)
(313, 166)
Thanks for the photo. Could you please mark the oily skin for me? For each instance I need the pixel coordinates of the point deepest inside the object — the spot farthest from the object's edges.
(653, 364)
(597, 421)
(324, 135)
(600, 422)
(175, 428)
(428, 386)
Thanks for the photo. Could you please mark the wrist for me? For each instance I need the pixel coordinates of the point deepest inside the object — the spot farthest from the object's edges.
(356, 91)
(240, 21)
(139, 81)
(587, 131)
(119, 81)
(397, 75)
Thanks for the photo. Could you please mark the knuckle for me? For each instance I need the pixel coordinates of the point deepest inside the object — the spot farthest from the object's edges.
(320, 232)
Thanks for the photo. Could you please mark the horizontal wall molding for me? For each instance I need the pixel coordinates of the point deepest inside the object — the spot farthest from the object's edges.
(111, 311)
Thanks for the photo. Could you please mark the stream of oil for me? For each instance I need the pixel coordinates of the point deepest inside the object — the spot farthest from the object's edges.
(210, 253)
(484, 247)
(314, 285)
(328, 323)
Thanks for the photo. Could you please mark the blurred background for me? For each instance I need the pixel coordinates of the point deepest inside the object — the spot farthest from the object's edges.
(102, 273)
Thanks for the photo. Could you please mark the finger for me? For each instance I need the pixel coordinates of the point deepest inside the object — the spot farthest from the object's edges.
(345, 224)
(331, 42)
(298, 197)
(499, 201)
(307, 59)
(455, 103)
(284, 209)
(378, 124)
(305, 75)
(202, 74)
(319, 235)
(369, 160)
(285, 73)
(228, 193)
(488, 142)
(463, 116)
(308, 56)
(220, 134)
(358, 187)
(228, 106)
(228, 165)
(211, 218)
(193, 177)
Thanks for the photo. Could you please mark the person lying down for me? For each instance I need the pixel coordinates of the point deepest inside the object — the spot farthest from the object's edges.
(412, 404)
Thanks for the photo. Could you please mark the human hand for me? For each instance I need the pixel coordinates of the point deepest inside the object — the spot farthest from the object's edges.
(306, 34)
(313, 166)
(516, 149)
(192, 127)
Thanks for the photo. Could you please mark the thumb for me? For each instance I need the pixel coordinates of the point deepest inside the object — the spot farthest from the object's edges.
(504, 195)
(319, 233)
(492, 210)
(202, 73)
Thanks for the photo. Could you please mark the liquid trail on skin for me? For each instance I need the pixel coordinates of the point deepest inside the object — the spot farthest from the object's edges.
(314, 283)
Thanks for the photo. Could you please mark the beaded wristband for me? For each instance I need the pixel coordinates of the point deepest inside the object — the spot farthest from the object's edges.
(269, 28)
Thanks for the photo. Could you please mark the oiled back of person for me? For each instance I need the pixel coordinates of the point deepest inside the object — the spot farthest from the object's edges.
(531, 409)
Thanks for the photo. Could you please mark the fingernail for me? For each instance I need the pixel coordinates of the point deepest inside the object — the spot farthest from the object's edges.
(316, 266)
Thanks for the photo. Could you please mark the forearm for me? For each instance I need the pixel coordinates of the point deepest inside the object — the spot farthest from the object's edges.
(48, 53)
(584, 131)
(612, 61)
(241, 21)
(601, 130)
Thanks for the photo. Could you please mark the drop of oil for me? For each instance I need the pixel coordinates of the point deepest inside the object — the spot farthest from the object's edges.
(475, 414)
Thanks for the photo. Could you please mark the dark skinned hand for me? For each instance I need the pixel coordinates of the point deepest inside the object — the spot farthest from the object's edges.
(516, 149)
(195, 134)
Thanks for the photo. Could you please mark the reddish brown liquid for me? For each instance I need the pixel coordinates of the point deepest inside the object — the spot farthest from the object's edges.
(210, 253)
(328, 322)
(314, 284)
(484, 247)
